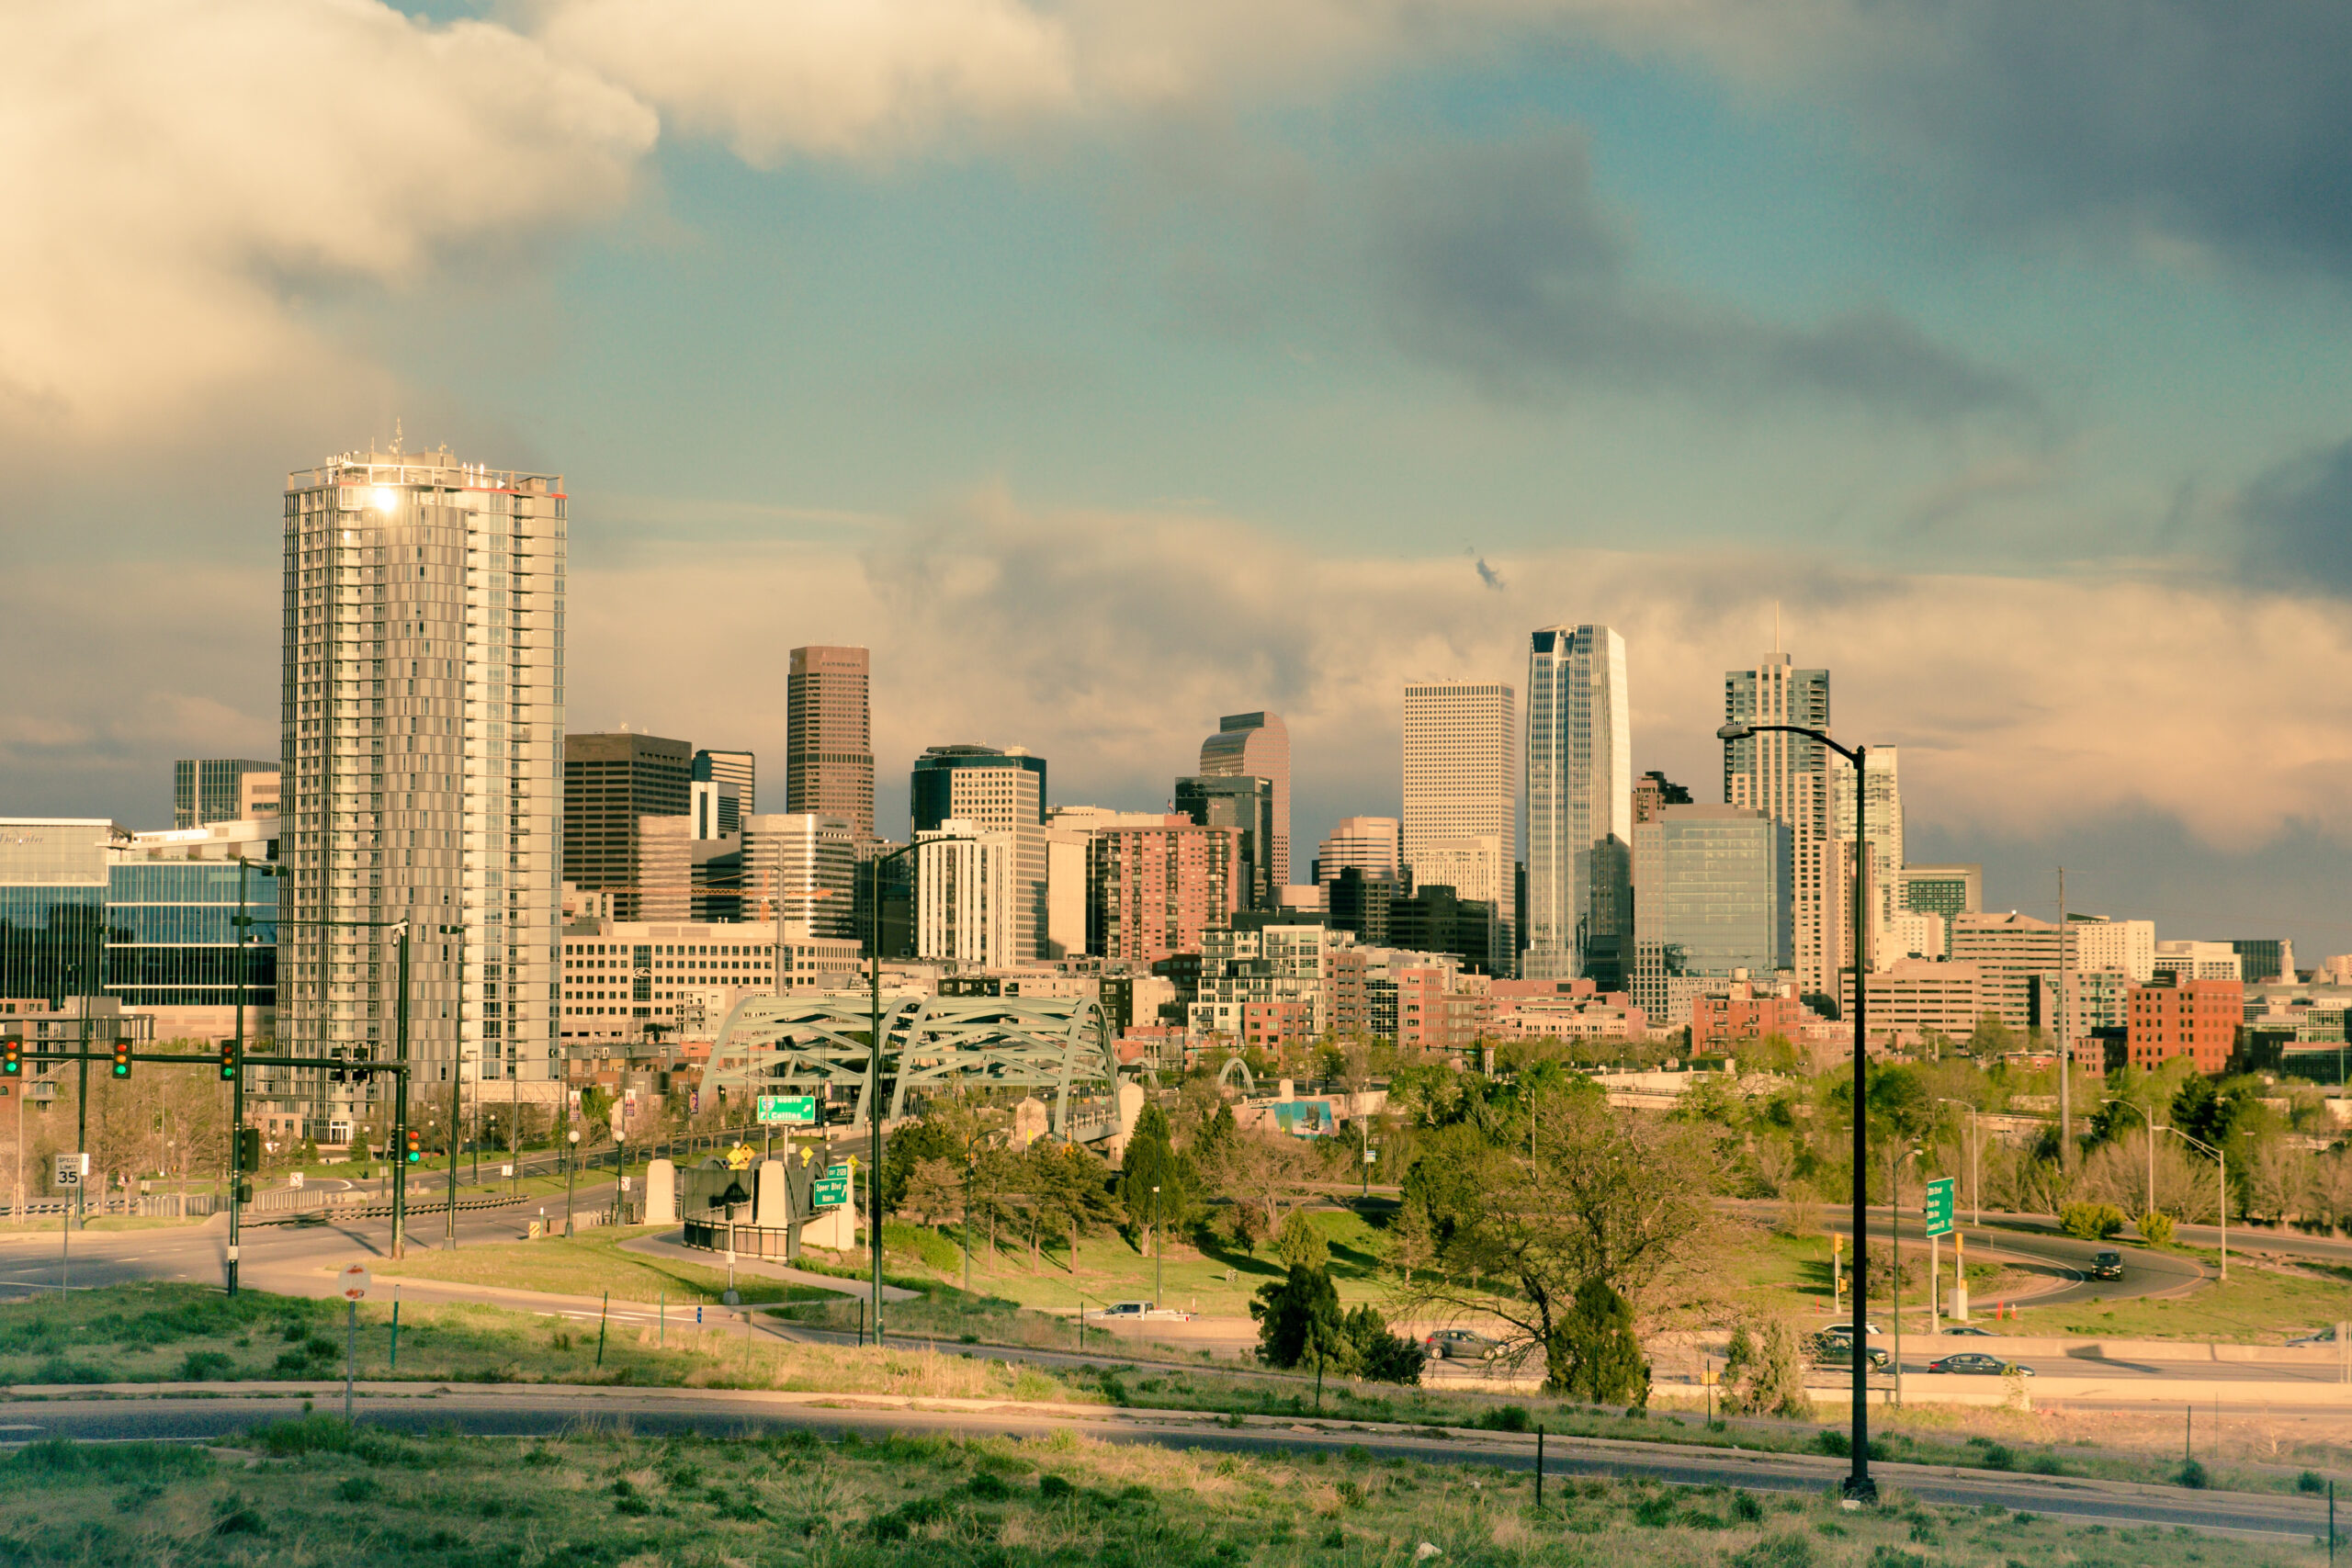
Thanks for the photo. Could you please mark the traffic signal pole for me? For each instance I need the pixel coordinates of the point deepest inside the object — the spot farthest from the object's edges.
(399, 1150)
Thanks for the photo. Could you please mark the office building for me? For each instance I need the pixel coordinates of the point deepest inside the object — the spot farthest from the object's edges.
(209, 790)
(2023, 966)
(1711, 903)
(1882, 825)
(1158, 886)
(2198, 961)
(994, 792)
(973, 907)
(722, 791)
(829, 736)
(1947, 892)
(1653, 792)
(257, 794)
(1257, 745)
(172, 950)
(798, 870)
(1367, 844)
(1579, 807)
(423, 718)
(1359, 901)
(1462, 768)
(633, 983)
(1730, 1015)
(54, 885)
(2262, 959)
(1913, 998)
(1786, 777)
(2116, 947)
(1434, 919)
(1246, 804)
(611, 782)
(2184, 1015)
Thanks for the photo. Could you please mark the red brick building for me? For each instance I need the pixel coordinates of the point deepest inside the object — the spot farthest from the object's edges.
(1744, 1011)
(2176, 1017)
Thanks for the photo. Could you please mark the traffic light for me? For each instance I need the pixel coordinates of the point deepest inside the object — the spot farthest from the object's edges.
(228, 1060)
(12, 1057)
(360, 1069)
(248, 1149)
(335, 1072)
(122, 1058)
(415, 1150)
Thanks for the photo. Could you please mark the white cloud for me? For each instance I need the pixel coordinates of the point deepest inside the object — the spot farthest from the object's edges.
(177, 176)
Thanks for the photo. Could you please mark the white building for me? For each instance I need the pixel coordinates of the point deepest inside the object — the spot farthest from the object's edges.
(800, 869)
(1579, 807)
(1785, 777)
(629, 981)
(2122, 947)
(2197, 961)
(1462, 768)
(1367, 844)
(423, 728)
(1882, 825)
(971, 898)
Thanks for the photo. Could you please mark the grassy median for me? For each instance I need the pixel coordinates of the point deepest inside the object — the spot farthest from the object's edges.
(315, 1491)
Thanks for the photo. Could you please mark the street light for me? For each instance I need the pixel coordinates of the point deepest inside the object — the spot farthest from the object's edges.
(2150, 1117)
(1158, 1249)
(571, 1177)
(874, 1058)
(2224, 1161)
(1858, 1484)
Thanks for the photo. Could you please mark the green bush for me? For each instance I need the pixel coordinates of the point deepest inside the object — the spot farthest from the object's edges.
(2311, 1480)
(2155, 1229)
(2091, 1222)
(2192, 1475)
(205, 1366)
(1506, 1418)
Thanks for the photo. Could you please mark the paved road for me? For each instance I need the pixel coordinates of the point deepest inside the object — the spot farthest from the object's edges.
(515, 1412)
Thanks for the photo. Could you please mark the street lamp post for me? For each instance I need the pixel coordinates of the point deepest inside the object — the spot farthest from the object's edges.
(2150, 1117)
(1858, 1484)
(237, 1084)
(2223, 1161)
(1159, 1251)
(874, 1058)
(571, 1176)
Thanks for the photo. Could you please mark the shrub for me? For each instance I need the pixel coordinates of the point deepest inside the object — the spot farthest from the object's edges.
(1379, 1355)
(2192, 1475)
(2311, 1480)
(2091, 1222)
(1764, 1373)
(1506, 1418)
(2155, 1229)
(205, 1366)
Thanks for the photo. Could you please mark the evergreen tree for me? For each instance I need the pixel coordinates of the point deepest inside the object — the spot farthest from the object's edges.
(1299, 1322)
(1593, 1354)
(1151, 1160)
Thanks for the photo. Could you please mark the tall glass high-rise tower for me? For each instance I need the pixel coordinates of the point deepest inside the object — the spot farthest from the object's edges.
(1786, 777)
(1579, 807)
(423, 721)
(1462, 772)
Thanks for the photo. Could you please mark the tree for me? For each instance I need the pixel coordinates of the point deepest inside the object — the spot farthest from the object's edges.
(933, 1192)
(1267, 1171)
(1764, 1373)
(1301, 1244)
(1596, 1356)
(1991, 1037)
(1150, 1161)
(1299, 1320)
(1488, 1230)
(1377, 1354)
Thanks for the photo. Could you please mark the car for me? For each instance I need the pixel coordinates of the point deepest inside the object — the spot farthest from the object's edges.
(1976, 1363)
(1837, 1350)
(1459, 1345)
(1971, 1330)
(1845, 1330)
(1138, 1310)
(2106, 1265)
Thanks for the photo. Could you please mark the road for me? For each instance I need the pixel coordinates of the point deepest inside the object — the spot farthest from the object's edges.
(538, 1411)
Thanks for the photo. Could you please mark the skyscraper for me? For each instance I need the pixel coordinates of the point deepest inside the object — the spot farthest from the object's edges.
(1462, 770)
(994, 792)
(423, 723)
(1711, 897)
(611, 783)
(1882, 825)
(829, 736)
(1244, 802)
(1784, 776)
(723, 792)
(1258, 745)
(1368, 843)
(1579, 806)
(207, 790)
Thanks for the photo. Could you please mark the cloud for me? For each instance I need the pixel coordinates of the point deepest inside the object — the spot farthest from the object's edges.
(183, 181)
(2295, 521)
(1500, 262)
(773, 78)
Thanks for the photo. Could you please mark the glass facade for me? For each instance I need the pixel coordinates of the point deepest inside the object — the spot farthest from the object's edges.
(1711, 896)
(51, 942)
(171, 935)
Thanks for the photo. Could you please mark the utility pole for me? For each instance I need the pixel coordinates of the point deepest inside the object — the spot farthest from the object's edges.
(397, 1153)
(2065, 1042)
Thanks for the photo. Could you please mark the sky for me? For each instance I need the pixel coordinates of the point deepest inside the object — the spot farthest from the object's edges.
(1106, 368)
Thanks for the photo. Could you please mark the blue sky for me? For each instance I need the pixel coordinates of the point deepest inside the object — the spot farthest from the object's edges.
(1105, 370)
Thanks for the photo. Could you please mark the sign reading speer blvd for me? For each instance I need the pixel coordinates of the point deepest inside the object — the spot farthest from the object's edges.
(1937, 1209)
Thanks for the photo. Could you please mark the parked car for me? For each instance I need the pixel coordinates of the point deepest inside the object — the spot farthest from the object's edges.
(1971, 1330)
(1837, 1350)
(1976, 1363)
(1459, 1345)
(2106, 1265)
(1845, 1330)
(1137, 1311)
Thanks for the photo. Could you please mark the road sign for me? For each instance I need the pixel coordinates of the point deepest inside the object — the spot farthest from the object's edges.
(294, 1179)
(354, 1283)
(71, 1170)
(1938, 1212)
(793, 1110)
(833, 1187)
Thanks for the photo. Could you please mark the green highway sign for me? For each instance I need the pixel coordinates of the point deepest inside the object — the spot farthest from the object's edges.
(833, 1187)
(797, 1109)
(1938, 1212)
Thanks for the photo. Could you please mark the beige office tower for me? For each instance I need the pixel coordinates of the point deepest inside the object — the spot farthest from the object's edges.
(1461, 771)
(828, 737)
(1786, 777)
(423, 717)
(1883, 824)
(1257, 745)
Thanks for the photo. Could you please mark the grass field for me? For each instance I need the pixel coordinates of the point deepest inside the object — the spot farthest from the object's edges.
(588, 1264)
(315, 1491)
(2257, 1306)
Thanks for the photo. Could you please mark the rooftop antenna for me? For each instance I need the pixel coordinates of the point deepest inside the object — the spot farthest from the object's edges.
(399, 443)
(1776, 627)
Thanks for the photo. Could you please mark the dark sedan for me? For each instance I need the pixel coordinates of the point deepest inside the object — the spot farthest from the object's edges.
(1978, 1364)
